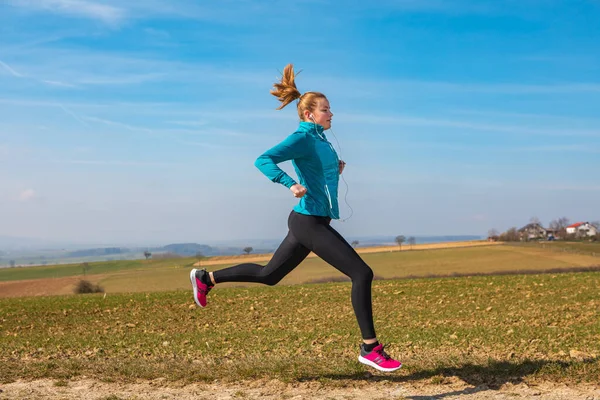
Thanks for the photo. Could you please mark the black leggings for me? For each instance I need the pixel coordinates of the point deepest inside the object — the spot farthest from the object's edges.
(309, 233)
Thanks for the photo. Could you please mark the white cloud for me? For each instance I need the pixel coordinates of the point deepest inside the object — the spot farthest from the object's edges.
(27, 195)
(80, 8)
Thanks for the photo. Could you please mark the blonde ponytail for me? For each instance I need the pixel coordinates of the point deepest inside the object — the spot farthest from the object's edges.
(286, 92)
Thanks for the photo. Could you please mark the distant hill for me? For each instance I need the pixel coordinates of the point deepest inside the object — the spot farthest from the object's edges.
(97, 252)
(25, 251)
(188, 249)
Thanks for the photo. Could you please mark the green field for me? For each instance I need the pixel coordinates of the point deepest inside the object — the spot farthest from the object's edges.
(484, 329)
(489, 329)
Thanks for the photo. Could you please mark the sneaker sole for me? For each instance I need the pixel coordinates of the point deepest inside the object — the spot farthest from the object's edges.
(193, 280)
(372, 364)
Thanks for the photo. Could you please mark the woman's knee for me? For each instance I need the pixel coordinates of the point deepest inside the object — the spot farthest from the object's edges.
(270, 279)
(363, 274)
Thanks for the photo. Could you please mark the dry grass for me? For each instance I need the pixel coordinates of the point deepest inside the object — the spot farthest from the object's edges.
(484, 330)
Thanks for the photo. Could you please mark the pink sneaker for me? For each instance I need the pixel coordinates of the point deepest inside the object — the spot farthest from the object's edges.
(201, 289)
(378, 359)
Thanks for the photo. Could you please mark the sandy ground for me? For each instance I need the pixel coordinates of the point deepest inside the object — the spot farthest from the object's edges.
(220, 260)
(452, 388)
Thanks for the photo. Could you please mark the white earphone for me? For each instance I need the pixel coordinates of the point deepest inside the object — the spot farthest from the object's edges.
(342, 175)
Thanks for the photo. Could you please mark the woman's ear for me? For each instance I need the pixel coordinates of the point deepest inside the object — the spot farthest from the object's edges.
(307, 115)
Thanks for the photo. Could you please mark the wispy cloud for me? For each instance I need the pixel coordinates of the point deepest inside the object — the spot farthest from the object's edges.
(476, 126)
(584, 87)
(57, 83)
(10, 70)
(78, 8)
(72, 114)
(374, 87)
(126, 79)
(566, 148)
(118, 163)
(19, 75)
(117, 124)
(522, 115)
(204, 144)
(577, 148)
(188, 123)
(26, 195)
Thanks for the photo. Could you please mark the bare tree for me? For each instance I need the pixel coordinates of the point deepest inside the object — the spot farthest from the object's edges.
(559, 226)
(493, 233)
(400, 239)
(248, 250)
(147, 254)
(511, 235)
(354, 243)
(412, 241)
(535, 220)
(595, 224)
(85, 267)
(12, 263)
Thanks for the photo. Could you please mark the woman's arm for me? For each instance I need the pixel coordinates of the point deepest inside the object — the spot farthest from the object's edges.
(293, 147)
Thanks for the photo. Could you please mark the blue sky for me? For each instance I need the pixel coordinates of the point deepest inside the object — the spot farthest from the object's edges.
(140, 123)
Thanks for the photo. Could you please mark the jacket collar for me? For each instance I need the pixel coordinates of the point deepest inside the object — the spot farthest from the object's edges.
(314, 129)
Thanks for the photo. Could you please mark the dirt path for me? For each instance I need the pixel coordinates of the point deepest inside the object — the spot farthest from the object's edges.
(450, 389)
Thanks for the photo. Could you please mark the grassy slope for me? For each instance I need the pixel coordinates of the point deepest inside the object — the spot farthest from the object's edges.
(385, 265)
(164, 275)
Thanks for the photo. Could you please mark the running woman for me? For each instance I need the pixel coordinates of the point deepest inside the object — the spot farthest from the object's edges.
(318, 167)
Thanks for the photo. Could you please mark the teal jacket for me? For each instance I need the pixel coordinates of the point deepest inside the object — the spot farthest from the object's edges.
(316, 164)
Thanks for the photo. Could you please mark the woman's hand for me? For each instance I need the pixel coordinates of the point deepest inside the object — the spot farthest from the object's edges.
(298, 190)
(342, 165)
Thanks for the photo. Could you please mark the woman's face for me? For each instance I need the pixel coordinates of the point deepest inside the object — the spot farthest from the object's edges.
(321, 114)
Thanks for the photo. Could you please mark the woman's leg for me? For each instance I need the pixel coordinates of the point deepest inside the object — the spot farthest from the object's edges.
(288, 256)
(316, 234)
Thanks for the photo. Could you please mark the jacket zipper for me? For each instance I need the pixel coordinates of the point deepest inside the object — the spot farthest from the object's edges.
(328, 197)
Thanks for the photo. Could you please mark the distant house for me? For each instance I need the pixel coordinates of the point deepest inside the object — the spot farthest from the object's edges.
(533, 231)
(582, 229)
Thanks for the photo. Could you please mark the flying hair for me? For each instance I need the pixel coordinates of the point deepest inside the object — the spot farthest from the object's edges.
(286, 91)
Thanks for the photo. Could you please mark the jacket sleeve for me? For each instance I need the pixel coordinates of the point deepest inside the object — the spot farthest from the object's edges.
(292, 147)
